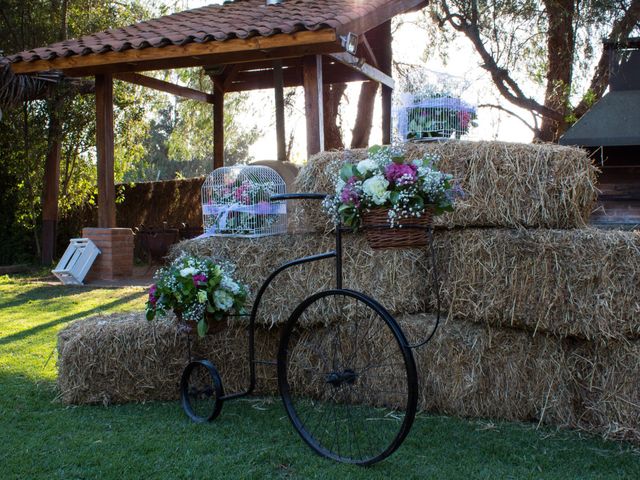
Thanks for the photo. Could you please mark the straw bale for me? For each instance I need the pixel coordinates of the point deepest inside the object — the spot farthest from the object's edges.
(468, 369)
(604, 378)
(477, 370)
(388, 276)
(580, 283)
(124, 358)
(508, 184)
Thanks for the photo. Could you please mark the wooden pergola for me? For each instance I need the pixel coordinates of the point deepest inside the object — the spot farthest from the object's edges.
(242, 45)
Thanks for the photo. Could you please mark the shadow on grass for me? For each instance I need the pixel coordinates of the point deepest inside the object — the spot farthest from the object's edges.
(41, 292)
(34, 330)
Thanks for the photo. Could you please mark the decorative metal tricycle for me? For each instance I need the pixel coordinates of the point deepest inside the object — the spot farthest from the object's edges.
(350, 388)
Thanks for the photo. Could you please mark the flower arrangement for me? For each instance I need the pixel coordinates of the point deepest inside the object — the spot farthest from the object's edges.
(387, 179)
(241, 207)
(196, 289)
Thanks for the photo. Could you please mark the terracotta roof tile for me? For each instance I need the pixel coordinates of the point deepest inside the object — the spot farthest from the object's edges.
(239, 19)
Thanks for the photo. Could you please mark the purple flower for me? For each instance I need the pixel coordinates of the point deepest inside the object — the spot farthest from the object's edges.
(404, 171)
(455, 193)
(349, 194)
(199, 279)
(152, 294)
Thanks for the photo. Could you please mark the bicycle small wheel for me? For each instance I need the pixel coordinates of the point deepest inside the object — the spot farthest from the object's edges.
(349, 387)
(201, 391)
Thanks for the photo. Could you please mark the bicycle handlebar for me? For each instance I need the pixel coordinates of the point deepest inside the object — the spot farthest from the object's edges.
(297, 196)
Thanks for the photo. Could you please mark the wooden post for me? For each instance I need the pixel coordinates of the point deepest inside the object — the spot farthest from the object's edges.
(312, 80)
(385, 60)
(218, 128)
(278, 87)
(104, 148)
(51, 184)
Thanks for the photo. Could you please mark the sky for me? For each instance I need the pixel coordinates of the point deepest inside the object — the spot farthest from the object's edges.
(462, 74)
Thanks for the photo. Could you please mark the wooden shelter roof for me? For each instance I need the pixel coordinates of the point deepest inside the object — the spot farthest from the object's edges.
(213, 34)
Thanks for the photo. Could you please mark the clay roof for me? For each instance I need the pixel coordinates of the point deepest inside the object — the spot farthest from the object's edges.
(238, 19)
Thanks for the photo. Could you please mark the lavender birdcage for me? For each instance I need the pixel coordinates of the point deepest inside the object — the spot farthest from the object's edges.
(236, 202)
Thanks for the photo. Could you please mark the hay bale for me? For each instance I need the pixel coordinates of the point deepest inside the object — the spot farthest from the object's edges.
(476, 370)
(574, 283)
(604, 380)
(580, 283)
(508, 184)
(389, 276)
(124, 358)
(468, 369)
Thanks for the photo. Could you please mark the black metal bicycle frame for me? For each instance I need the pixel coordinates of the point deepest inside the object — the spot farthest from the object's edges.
(337, 254)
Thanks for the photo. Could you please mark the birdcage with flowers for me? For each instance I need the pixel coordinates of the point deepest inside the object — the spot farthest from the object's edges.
(236, 202)
(434, 116)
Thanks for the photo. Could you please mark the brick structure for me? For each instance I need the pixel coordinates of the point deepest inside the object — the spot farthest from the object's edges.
(116, 257)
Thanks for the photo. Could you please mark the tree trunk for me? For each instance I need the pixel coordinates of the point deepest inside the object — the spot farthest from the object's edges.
(560, 52)
(364, 119)
(332, 132)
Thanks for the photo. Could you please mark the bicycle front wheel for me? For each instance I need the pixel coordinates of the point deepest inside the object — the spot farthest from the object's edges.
(349, 387)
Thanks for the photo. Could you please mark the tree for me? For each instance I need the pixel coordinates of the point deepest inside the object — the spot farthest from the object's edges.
(180, 139)
(548, 44)
(44, 131)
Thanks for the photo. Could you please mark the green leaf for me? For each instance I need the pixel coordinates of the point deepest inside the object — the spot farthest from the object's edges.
(347, 171)
(395, 195)
(151, 314)
(374, 149)
(202, 327)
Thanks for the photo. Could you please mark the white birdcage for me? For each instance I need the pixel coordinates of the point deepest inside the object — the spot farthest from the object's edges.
(236, 202)
(424, 117)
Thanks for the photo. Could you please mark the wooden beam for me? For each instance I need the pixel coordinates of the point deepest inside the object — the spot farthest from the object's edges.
(104, 148)
(51, 181)
(156, 84)
(256, 80)
(218, 129)
(368, 51)
(278, 88)
(384, 54)
(365, 69)
(170, 56)
(312, 79)
(230, 76)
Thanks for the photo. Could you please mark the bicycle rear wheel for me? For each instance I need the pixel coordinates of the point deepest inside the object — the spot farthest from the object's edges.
(349, 388)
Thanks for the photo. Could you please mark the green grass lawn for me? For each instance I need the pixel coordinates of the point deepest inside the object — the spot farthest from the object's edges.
(42, 438)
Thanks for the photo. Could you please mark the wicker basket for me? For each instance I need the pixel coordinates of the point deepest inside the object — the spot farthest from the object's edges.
(214, 326)
(380, 235)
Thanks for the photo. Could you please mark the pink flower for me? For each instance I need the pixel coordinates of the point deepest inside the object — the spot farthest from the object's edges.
(404, 171)
(464, 118)
(199, 279)
(239, 193)
(152, 294)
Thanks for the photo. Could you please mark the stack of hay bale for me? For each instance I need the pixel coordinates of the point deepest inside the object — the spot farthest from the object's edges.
(542, 312)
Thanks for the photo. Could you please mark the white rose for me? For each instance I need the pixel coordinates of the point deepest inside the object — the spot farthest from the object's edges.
(376, 189)
(223, 300)
(366, 165)
(187, 272)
